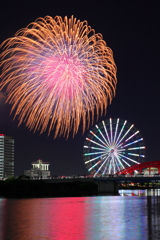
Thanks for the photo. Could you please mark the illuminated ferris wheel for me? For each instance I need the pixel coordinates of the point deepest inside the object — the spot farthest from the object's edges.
(111, 146)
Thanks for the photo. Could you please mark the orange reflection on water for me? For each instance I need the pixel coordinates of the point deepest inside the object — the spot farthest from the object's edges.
(13, 221)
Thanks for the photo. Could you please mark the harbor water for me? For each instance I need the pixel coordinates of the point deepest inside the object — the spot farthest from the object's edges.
(133, 214)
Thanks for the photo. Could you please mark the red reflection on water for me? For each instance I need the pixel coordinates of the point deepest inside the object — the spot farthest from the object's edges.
(69, 219)
(59, 218)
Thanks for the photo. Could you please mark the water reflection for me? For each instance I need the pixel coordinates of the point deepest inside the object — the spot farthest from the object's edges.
(68, 218)
(2, 216)
(134, 217)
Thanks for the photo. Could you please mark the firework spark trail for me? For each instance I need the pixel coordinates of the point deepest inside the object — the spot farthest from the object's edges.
(58, 73)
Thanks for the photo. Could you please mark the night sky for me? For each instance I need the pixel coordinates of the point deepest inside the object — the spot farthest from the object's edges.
(131, 30)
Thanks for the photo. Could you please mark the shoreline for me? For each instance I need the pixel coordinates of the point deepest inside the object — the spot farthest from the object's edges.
(39, 188)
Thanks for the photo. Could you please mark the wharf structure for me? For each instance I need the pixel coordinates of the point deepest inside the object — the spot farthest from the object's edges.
(6, 156)
(39, 169)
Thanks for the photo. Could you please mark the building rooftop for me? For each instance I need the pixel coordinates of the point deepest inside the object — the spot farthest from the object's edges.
(40, 161)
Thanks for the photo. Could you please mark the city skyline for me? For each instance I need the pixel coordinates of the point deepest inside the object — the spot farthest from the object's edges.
(133, 34)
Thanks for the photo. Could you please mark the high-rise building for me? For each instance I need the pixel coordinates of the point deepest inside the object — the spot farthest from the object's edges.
(6, 156)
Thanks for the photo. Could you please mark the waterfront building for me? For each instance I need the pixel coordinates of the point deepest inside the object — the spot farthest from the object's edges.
(150, 171)
(39, 169)
(6, 156)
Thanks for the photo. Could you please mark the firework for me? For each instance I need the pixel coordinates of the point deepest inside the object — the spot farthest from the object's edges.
(58, 73)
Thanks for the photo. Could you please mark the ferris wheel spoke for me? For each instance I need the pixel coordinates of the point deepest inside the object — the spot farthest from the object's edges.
(106, 132)
(121, 150)
(134, 154)
(127, 150)
(116, 129)
(120, 162)
(101, 166)
(117, 161)
(110, 121)
(117, 165)
(118, 144)
(132, 160)
(136, 148)
(121, 131)
(114, 164)
(96, 148)
(98, 138)
(93, 153)
(126, 163)
(131, 136)
(93, 159)
(102, 135)
(133, 142)
(111, 166)
(105, 170)
(119, 169)
(107, 164)
(95, 143)
(94, 165)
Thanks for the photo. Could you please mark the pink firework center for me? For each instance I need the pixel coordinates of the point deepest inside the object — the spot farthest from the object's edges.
(64, 76)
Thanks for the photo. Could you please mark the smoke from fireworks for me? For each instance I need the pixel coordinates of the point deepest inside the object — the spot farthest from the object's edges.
(57, 74)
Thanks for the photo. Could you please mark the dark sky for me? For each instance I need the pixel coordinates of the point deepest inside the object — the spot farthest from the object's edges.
(131, 30)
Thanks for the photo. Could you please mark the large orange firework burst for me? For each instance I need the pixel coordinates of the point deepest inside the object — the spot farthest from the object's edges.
(57, 74)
